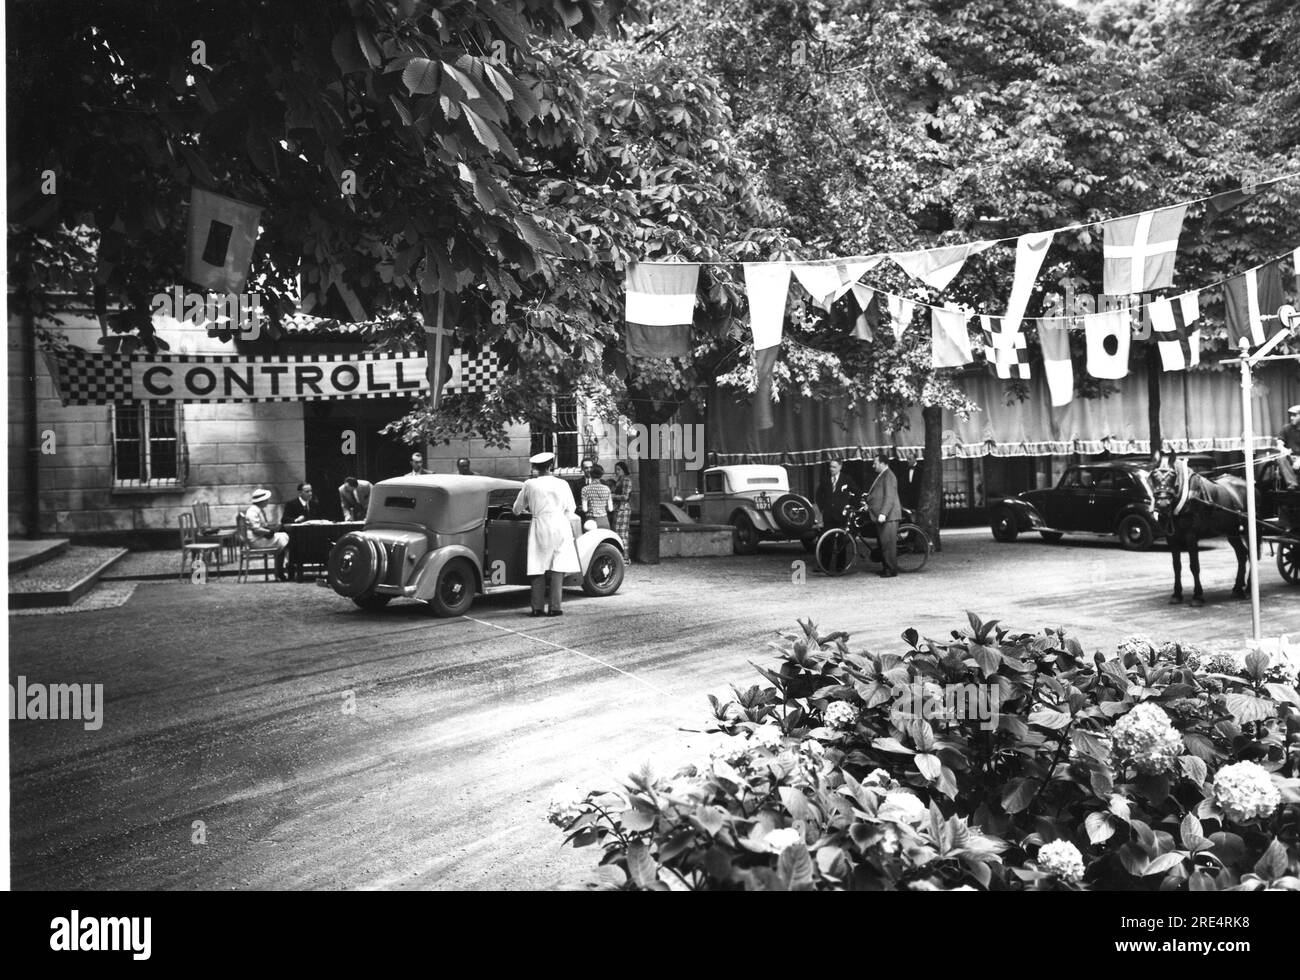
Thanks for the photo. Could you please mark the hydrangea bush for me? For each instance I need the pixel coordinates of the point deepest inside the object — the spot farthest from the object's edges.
(1158, 768)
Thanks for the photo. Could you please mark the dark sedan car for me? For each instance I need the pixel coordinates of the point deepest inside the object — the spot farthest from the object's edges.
(1099, 498)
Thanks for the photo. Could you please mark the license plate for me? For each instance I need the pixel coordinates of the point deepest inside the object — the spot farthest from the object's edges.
(763, 502)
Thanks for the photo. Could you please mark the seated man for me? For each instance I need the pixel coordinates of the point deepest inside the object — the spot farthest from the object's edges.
(1288, 444)
(354, 497)
(262, 534)
(301, 508)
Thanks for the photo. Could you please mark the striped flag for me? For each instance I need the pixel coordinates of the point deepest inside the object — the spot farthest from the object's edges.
(1171, 321)
(1010, 352)
(1055, 341)
(1109, 336)
(1139, 250)
(949, 339)
(660, 308)
(1249, 298)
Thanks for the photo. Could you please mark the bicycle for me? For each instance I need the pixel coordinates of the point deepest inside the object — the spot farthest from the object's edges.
(838, 548)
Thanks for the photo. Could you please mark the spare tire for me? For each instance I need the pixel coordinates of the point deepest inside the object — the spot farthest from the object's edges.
(355, 564)
(794, 515)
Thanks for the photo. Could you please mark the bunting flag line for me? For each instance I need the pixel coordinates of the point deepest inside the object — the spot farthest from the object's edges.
(1139, 250)
(1109, 336)
(851, 272)
(767, 286)
(660, 308)
(764, 367)
(821, 281)
(1171, 321)
(901, 311)
(937, 267)
(220, 236)
(1057, 365)
(1248, 298)
(868, 303)
(1030, 252)
(949, 338)
(1010, 351)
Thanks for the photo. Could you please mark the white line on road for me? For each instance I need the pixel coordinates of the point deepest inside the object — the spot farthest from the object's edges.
(560, 646)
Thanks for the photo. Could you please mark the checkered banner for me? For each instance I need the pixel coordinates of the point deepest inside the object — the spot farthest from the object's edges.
(90, 378)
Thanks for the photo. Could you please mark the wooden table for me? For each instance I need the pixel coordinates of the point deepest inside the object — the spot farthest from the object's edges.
(310, 543)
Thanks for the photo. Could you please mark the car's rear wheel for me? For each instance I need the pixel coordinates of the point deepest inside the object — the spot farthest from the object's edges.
(454, 592)
(1136, 533)
(372, 602)
(744, 536)
(793, 514)
(355, 564)
(1051, 536)
(1004, 526)
(604, 572)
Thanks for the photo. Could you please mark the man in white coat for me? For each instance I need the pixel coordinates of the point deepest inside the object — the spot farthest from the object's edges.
(552, 551)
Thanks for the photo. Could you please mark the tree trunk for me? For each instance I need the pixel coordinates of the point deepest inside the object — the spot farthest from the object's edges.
(928, 507)
(1153, 399)
(648, 487)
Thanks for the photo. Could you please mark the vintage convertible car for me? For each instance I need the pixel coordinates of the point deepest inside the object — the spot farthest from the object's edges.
(444, 539)
(1109, 498)
(756, 501)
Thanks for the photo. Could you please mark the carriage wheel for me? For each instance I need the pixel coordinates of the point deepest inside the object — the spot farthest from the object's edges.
(913, 548)
(836, 551)
(1288, 561)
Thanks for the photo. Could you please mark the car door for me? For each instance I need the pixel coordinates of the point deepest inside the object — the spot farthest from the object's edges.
(715, 509)
(1064, 506)
(505, 559)
(1109, 496)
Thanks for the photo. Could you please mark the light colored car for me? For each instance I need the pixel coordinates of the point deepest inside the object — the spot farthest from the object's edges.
(444, 539)
(755, 499)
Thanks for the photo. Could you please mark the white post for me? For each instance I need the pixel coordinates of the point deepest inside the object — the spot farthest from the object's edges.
(1252, 536)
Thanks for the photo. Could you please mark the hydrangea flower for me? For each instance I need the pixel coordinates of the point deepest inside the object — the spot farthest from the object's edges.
(568, 802)
(1061, 858)
(840, 714)
(778, 840)
(1223, 663)
(769, 737)
(1282, 671)
(878, 777)
(1245, 791)
(733, 750)
(1147, 739)
(1167, 653)
(1136, 643)
(909, 808)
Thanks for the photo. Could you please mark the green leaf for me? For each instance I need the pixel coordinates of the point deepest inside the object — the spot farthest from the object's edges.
(798, 805)
(891, 745)
(481, 131)
(636, 819)
(1194, 768)
(641, 866)
(1102, 783)
(929, 765)
(1272, 863)
(988, 658)
(1133, 860)
(795, 868)
(1246, 708)
(463, 80)
(1017, 793)
(1201, 882)
(1099, 827)
(1164, 862)
(420, 76)
(1200, 746)
(1049, 718)
(1256, 665)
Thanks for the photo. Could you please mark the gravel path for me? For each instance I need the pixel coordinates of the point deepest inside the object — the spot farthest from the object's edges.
(62, 572)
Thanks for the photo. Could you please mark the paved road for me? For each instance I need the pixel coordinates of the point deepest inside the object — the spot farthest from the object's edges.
(225, 704)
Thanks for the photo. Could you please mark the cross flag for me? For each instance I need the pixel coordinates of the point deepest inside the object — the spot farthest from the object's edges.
(1010, 353)
(1249, 298)
(1171, 321)
(1139, 250)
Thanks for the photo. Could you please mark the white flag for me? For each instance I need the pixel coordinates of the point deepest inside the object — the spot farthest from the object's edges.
(1108, 337)
(901, 311)
(821, 281)
(949, 337)
(767, 286)
(1030, 252)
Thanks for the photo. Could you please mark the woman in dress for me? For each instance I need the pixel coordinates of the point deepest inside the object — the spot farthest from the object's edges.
(597, 501)
(622, 501)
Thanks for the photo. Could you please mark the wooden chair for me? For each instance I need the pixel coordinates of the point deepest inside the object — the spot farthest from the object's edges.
(250, 552)
(208, 552)
(209, 533)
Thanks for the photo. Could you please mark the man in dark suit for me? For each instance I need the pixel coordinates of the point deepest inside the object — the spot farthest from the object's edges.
(301, 508)
(835, 495)
(886, 511)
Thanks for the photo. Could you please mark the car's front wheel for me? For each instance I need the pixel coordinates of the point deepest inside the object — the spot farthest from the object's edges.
(454, 593)
(1136, 533)
(744, 536)
(1004, 526)
(604, 572)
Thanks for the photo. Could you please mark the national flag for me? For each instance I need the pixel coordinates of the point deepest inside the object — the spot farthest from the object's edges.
(1030, 252)
(1057, 365)
(1139, 250)
(660, 308)
(220, 237)
(1109, 336)
(1171, 322)
(1249, 298)
(901, 311)
(937, 267)
(949, 338)
(764, 367)
(1010, 351)
(768, 285)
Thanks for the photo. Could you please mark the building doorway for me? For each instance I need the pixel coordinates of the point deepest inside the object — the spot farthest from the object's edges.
(330, 427)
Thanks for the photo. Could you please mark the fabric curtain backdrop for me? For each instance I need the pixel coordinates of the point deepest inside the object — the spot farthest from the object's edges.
(1200, 411)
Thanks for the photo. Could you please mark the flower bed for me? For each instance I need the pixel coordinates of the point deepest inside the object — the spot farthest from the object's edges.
(990, 760)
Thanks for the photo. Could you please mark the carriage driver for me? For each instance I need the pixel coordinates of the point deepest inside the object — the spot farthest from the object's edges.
(1288, 443)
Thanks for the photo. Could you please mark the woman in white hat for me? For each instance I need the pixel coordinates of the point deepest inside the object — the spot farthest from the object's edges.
(263, 534)
(552, 551)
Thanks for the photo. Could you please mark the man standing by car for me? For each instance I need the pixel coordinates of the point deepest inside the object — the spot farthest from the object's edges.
(354, 496)
(836, 495)
(886, 512)
(552, 552)
(417, 465)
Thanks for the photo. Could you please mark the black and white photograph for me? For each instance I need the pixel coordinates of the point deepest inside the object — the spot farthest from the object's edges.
(656, 445)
